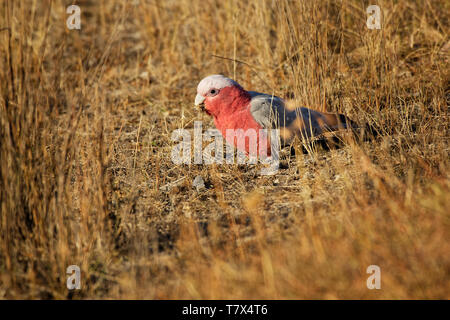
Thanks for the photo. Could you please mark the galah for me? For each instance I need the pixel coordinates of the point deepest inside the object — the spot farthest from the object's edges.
(234, 108)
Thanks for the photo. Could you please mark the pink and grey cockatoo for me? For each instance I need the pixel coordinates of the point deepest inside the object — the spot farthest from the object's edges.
(235, 108)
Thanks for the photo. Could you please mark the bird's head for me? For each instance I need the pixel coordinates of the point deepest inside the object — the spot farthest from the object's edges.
(217, 93)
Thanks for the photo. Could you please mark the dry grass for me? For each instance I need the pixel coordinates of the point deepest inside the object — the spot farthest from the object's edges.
(86, 176)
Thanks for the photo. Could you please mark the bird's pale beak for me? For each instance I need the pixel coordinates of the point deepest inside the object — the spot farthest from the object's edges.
(199, 100)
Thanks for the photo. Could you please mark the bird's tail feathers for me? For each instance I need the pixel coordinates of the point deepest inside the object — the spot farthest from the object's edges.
(335, 122)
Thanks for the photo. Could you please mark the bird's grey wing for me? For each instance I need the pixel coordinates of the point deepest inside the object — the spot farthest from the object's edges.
(269, 111)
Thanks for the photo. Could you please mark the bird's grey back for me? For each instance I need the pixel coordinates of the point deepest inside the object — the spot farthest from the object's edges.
(270, 112)
(266, 108)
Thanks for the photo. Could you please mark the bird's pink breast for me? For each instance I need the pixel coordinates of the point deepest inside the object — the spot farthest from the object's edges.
(242, 119)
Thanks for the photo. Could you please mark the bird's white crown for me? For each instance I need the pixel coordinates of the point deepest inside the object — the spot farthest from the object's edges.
(215, 81)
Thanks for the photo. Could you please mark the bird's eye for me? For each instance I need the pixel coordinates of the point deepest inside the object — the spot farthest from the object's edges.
(213, 91)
